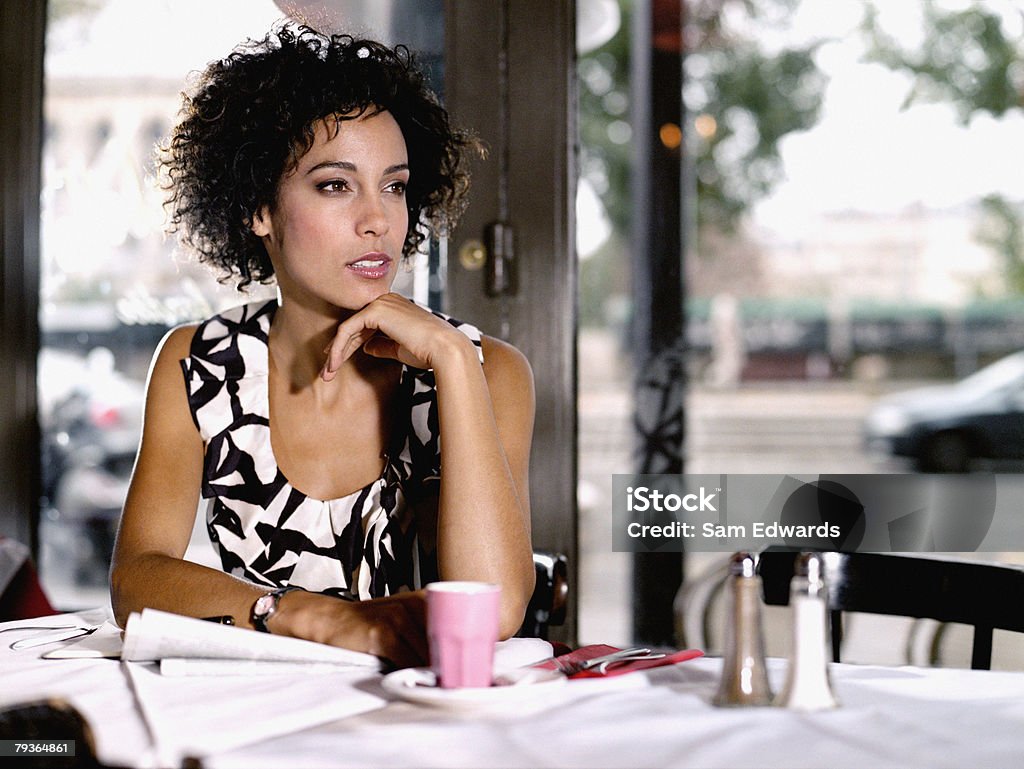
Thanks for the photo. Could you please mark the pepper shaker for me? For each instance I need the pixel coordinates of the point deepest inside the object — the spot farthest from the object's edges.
(744, 679)
(808, 685)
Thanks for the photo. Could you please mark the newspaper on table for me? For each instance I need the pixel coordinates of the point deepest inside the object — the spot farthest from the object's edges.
(186, 644)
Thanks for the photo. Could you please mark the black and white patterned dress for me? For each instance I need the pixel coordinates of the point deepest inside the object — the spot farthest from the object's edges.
(266, 531)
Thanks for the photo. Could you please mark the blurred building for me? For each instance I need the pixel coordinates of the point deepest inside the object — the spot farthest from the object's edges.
(916, 255)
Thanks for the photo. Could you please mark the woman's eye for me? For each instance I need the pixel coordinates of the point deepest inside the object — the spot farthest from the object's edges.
(333, 185)
(397, 187)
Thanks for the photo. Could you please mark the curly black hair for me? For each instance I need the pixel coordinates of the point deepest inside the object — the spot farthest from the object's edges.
(253, 115)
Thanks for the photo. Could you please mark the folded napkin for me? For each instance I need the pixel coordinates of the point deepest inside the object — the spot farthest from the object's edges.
(520, 652)
(620, 668)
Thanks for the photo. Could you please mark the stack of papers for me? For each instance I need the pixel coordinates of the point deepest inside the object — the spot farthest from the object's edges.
(241, 686)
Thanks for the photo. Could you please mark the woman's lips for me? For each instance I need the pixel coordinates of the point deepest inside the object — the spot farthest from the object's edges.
(371, 266)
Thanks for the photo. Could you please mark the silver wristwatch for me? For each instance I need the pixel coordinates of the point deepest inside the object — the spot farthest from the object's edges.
(266, 606)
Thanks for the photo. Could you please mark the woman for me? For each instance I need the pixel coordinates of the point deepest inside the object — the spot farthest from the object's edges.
(316, 426)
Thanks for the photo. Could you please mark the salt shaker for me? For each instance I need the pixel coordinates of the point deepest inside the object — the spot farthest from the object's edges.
(808, 685)
(744, 679)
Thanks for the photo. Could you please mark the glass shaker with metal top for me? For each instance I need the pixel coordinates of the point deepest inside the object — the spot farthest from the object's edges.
(744, 679)
(808, 686)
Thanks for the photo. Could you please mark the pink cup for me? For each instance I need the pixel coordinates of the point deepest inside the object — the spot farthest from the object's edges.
(462, 625)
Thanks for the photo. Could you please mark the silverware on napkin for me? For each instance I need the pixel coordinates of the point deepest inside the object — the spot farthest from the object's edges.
(601, 664)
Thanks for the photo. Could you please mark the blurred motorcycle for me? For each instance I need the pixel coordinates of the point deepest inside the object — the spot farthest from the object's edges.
(91, 419)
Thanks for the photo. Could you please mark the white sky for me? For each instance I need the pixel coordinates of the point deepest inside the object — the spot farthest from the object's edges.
(160, 38)
(170, 38)
(865, 153)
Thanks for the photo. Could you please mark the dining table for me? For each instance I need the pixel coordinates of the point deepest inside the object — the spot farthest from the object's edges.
(324, 716)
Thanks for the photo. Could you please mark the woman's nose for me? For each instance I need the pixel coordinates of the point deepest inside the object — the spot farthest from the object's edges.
(373, 218)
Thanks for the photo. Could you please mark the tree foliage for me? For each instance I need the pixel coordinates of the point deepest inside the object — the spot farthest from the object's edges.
(973, 58)
(967, 57)
(1001, 229)
(743, 97)
(605, 130)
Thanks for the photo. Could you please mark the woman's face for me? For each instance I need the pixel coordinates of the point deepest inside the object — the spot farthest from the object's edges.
(335, 235)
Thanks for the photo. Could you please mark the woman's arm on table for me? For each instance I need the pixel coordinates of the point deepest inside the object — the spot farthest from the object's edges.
(485, 416)
(148, 569)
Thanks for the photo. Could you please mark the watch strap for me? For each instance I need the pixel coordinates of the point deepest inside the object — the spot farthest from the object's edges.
(265, 607)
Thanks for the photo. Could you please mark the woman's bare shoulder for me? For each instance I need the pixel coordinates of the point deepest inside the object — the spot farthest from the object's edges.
(507, 370)
(502, 356)
(175, 346)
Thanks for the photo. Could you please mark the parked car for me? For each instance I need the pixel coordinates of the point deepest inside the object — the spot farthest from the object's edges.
(945, 428)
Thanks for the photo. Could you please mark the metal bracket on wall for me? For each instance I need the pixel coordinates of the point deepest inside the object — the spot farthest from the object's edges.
(499, 245)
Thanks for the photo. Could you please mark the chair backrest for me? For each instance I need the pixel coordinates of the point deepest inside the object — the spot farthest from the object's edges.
(21, 594)
(985, 595)
(549, 602)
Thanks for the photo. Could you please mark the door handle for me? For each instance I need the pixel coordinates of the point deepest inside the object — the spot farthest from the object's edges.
(495, 255)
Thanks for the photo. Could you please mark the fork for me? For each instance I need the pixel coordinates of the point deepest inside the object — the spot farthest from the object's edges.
(569, 668)
(602, 668)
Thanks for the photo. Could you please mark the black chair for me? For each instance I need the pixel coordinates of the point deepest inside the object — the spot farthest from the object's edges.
(50, 721)
(985, 595)
(549, 602)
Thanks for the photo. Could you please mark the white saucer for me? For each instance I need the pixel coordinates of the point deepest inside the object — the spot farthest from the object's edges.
(524, 686)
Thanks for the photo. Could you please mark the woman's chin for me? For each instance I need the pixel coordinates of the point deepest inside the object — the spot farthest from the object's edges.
(353, 301)
(344, 299)
(367, 293)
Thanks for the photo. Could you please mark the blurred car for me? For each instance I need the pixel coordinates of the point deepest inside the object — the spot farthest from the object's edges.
(945, 428)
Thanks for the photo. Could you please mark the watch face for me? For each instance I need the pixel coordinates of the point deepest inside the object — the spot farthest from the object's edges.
(264, 604)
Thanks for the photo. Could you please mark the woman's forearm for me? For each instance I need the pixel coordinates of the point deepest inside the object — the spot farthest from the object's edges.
(392, 628)
(483, 517)
(161, 581)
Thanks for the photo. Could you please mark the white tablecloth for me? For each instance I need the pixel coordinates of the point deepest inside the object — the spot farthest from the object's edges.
(890, 717)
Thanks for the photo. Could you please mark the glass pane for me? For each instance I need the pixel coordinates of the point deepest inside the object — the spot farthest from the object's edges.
(606, 399)
(112, 284)
(854, 231)
(850, 174)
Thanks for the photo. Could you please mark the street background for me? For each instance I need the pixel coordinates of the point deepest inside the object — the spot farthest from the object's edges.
(766, 427)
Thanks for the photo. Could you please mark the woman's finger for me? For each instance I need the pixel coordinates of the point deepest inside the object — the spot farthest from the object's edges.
(416, 638)
(415, 607)
(382, 347)
(346, 341)
(396, 631)
(353, 333)
(406, 651)
(406, 332)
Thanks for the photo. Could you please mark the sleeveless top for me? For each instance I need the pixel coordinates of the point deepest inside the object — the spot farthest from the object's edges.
(362, 545)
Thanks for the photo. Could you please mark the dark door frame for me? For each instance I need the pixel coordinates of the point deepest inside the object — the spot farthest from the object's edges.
(510, 76)
(22, 35)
